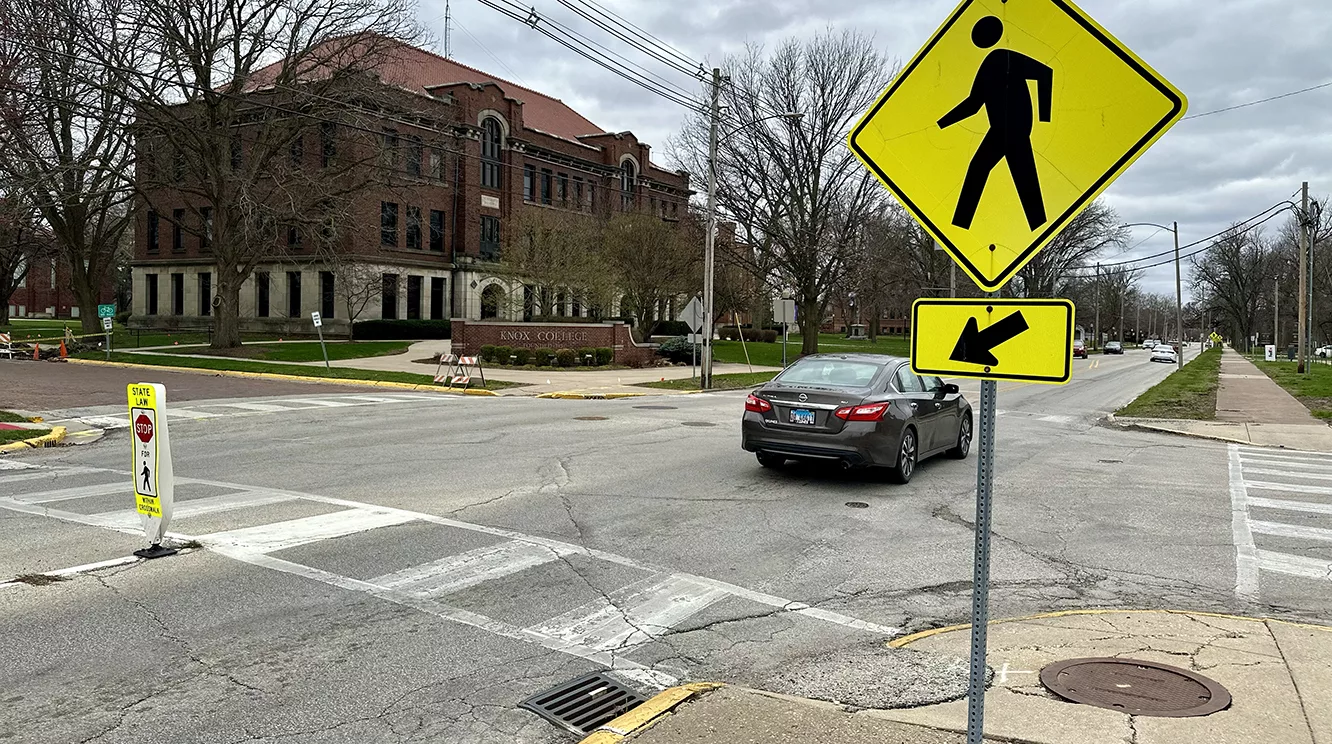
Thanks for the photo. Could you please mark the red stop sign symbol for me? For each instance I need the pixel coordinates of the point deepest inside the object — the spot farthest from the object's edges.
(143, 428)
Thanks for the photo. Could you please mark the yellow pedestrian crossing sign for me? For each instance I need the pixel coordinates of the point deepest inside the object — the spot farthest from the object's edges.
(1013, 118)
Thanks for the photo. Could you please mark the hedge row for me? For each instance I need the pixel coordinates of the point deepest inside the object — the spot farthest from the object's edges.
(731, 333)
(599, 357)
(374, 330)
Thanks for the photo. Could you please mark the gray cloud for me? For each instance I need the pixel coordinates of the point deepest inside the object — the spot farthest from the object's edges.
(1206, 173)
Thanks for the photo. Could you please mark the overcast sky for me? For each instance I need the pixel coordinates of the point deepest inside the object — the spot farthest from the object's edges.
(1206, 172)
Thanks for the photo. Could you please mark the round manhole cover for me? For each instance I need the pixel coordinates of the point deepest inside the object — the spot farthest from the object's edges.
(656, 408)
(589, 418)
(697, 423)
(1140, 688)
(857, 504)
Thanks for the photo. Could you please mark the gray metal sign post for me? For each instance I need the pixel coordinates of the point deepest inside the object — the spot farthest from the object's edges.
(980, 587)
(319, 326)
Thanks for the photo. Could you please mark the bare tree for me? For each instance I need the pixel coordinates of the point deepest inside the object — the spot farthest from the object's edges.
(1234, 273)
(652, 260)
(23, 240)
(1053, 271)
(795, 189)
(264, 116)
(555, 248)
(64, 137)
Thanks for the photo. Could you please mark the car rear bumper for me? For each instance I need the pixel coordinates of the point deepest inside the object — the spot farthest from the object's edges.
(857, 444)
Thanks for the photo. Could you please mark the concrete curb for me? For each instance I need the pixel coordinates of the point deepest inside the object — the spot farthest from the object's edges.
(906, 640)
(590, 396)
(1133, 424)
(647, 714)
(55, 436)
(299, 378)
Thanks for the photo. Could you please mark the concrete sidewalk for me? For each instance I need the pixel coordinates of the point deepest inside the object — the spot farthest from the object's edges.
(1250, 409)
(1279, 675)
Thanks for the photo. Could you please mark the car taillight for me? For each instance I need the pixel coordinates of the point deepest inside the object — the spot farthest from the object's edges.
(757, 405)
(872, 412)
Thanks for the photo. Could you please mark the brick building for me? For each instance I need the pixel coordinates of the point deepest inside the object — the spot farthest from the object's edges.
(433, 241)
(47, 292)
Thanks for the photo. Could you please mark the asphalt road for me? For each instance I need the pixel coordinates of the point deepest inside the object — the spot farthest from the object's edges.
(396, 568)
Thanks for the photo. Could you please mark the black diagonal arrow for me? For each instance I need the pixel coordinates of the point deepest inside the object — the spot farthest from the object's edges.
(977, 346)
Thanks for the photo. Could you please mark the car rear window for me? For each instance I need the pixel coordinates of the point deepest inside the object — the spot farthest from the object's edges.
(832, 372)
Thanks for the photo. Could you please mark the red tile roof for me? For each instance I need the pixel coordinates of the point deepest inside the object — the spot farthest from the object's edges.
(417, 69)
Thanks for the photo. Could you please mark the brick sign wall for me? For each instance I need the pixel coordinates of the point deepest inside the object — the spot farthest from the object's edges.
(470, 335)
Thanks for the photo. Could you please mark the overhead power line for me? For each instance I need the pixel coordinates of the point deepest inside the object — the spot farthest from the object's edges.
(1269, 99)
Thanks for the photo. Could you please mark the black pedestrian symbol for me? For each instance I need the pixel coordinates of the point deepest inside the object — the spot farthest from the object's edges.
(147, 481)
(1001, 87)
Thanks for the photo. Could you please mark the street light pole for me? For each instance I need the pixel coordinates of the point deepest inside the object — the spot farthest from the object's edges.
(1179, 299)
(710, 238)
(1300, 340)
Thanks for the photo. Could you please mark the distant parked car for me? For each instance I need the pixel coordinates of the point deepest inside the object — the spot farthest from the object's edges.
(1150, 344)
(1114, 347)
(1079, 349)
(1324, 351)
(1165, 353)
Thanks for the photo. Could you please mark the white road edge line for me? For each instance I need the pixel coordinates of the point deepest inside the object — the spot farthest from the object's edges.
(1246, 556)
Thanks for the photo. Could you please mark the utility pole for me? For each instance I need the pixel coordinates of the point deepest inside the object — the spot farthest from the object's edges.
(1276, 314)
(1304, 270)
(1137, 324)
(1179, 300)
(1096, 326)
(710, 239)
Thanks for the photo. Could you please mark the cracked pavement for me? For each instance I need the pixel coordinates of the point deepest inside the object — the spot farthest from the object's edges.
(202, 647)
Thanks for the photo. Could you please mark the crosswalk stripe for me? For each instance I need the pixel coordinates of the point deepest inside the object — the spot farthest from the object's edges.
(368, 398)
(198, 507)
(1281, 529)
(1311, 507)
(1286, 455)
(1296, 565)
(106, 422)
(189, 413)
(318, 402)
(1290, 487)
(1287, 466)
(261, 407)
(15, 465)
(78, 492)
(270, 538)
(1289, 474)
(458, 572)
(634, 615)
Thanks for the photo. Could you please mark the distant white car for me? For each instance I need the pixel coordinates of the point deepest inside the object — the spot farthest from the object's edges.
(1323, 351)
(1164, 353)
(1150, 343)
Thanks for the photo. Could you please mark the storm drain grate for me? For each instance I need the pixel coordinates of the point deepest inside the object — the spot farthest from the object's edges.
(656, 408)
(1136, 687)
(584, 704)
(697, 423)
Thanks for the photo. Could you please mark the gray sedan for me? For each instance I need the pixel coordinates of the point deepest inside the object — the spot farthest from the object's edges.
(859, 410)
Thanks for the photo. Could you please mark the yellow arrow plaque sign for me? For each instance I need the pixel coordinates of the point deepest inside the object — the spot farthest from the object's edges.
(1027, 340)
(1008, 123)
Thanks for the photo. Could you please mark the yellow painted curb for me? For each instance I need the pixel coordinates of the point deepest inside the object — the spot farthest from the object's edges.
(590, 396)
(55, 436)
(909, 639)
(299, 378)
(648, 713)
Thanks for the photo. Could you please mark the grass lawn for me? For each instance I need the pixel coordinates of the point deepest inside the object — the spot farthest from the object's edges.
(770, 355)
(719, 382)
(15, 435)
(121, 337)
(301, 351)
(243, 365)
(9, 417)
(1314, 390)
(1188, 393)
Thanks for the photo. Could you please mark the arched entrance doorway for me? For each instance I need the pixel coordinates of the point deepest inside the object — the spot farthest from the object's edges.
(492, 299)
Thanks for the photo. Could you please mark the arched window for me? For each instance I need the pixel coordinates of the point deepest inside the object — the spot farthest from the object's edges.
(628, 174)
(490, 153)
(492, 301)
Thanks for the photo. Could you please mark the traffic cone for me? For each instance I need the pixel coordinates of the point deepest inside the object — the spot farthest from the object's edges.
(36, 352)
(63, 353)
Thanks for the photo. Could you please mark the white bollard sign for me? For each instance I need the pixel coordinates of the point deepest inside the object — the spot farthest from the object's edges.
(153, 479)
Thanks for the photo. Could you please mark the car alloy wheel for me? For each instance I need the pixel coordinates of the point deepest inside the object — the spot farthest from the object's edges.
(906, 458)
(963, 440)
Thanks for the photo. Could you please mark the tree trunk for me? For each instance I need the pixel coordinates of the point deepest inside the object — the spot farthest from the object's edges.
(85, 297)
(810, 319)
(226, 316)
(874, 326)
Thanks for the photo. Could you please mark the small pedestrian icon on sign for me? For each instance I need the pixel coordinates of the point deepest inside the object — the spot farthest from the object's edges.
(1001, 88)
(147, 487)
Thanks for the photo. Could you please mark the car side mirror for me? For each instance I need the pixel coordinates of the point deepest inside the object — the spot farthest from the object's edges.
(951, 389)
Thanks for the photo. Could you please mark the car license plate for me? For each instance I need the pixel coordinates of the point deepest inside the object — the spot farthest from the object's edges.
(802, 416)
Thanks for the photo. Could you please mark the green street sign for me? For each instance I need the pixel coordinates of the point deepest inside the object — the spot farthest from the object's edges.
(106, 311)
